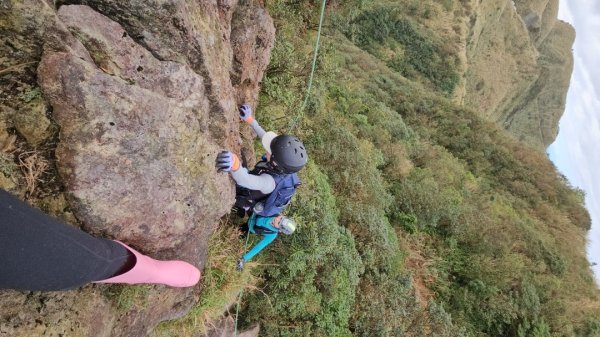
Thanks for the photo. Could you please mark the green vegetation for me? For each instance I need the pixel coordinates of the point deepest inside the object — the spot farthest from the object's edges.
(7, 165)
(130, 296)
(221, 284)
(384, 32)
(310, 277)
(417, 217)
(30, 94)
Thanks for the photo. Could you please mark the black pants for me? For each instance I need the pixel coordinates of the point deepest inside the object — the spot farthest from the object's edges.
(38, 252)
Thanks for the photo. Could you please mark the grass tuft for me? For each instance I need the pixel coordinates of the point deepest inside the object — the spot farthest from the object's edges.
(221, 285)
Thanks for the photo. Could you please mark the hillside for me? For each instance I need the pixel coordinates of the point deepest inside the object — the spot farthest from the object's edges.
(428, 207)
(509, 60)
(421, 216)
(519, 77)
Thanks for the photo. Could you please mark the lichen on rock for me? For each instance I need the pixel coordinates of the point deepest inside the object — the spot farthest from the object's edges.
(32, 123)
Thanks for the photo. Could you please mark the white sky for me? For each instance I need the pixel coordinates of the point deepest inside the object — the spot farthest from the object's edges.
(575, 151)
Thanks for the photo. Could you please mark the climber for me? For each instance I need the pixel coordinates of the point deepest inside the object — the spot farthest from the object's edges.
(268, 227)
(38, 252)
(269, 187)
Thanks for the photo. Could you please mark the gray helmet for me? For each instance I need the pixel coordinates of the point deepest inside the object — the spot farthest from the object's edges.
(287, 226)
(288, 153)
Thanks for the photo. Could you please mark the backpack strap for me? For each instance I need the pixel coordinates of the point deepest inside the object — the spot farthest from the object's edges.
(246, 198)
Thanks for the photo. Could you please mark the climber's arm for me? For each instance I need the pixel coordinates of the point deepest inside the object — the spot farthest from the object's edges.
(246, 116)
(228, 162)
(260, 132)
(264, 182)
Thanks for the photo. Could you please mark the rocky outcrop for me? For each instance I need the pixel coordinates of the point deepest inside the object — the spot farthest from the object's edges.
(250, 44)
(539, 17)
(144, 98)
(135, 153)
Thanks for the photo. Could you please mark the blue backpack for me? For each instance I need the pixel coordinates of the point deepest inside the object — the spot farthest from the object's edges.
(277, 201)
(270, 204)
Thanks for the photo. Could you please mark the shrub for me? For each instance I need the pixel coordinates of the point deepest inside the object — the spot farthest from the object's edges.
(314, 286)
(384, 27)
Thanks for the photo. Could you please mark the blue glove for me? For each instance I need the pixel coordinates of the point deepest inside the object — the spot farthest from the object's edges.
(240, 265)
(246, 113)
(227, 161)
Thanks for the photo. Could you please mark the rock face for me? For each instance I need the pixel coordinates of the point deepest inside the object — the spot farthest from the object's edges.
(136, 152)
(22, 26)
(539, 17)
(144, 98)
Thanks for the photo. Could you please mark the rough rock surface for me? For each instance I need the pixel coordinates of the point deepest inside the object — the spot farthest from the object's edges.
(144, 98)
(56, 315)
(32, 123)
(135, 151)
(249, 46)
(22, 27)
(539, 17)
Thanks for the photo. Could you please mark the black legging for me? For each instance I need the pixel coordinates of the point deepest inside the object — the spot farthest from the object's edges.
(38, 252)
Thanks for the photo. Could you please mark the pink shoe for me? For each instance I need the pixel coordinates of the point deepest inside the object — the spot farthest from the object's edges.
(147, 270)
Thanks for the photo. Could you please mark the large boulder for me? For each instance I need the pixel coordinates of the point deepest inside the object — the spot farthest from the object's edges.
(204, 36)
(135, 152)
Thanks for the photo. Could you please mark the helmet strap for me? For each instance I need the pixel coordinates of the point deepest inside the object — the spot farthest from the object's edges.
(273, 166)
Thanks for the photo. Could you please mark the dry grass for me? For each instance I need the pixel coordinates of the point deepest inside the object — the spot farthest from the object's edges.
(32, 166)
(418, 262)
(221, 285)
(9, 145)
(16, 67)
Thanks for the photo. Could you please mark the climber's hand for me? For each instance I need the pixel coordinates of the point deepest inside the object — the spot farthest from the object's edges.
(227, 161)
(240, 265)
(246, 113)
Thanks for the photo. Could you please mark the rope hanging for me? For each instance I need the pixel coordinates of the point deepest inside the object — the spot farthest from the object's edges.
(312, 71)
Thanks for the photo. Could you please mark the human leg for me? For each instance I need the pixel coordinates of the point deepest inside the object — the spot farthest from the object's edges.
(38, 252)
